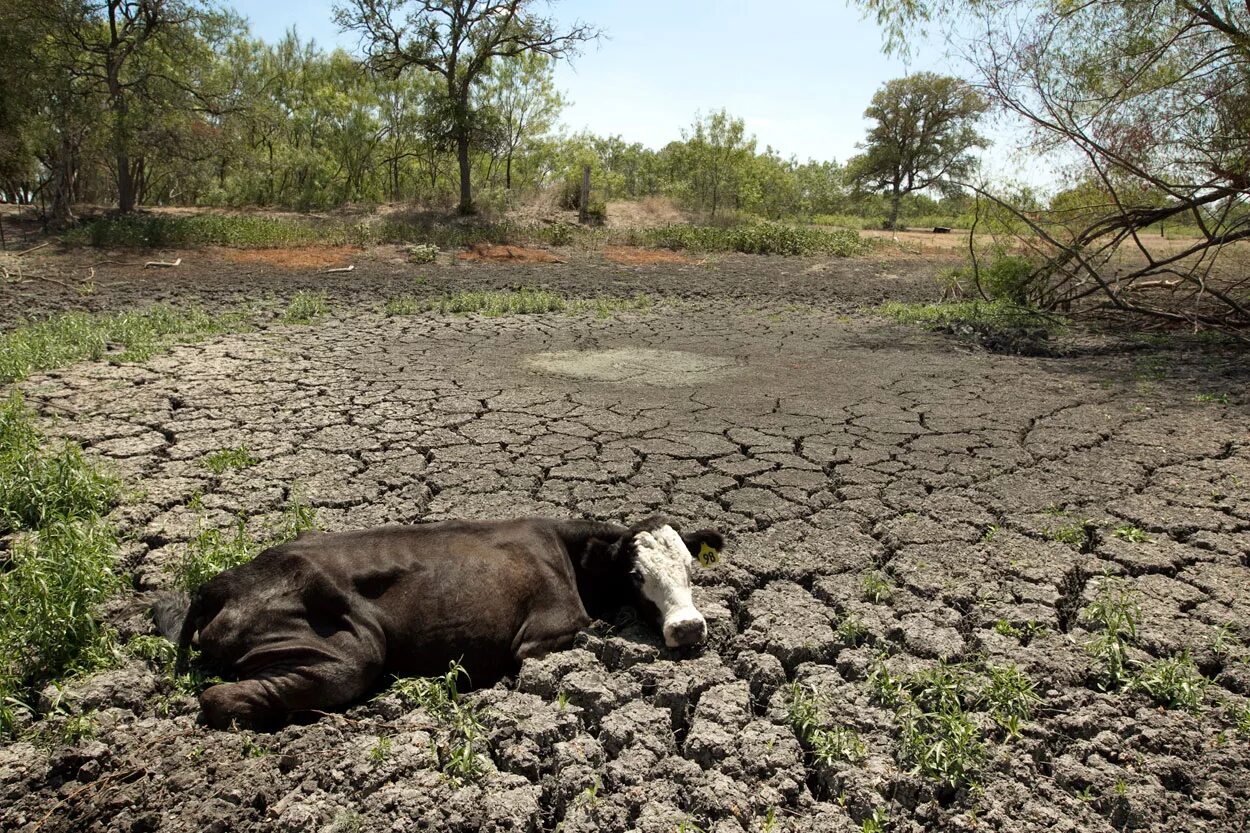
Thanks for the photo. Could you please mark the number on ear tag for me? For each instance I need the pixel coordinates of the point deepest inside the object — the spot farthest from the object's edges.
(708, 555)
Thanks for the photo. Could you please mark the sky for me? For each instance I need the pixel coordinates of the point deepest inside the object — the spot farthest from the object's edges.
(800, 79)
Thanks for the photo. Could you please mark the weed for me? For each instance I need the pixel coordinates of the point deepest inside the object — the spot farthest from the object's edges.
(944, 745)
(878, 822)
(514, 302)
(252, 749)
(155, 650)
(1130, 533)
(1005, 628)
(1240, 716)
(994, 314)
(1010, 697)
(760, 238)
(1212, 398)
(305, 307)
(43, 483)
(1227, 645)
(886, 689)
(347, 821)
(876, 587)
(460, 756)
(213, 551)
(422, 253)
(562, 700)
(380, 751)
(1075, 535)
(79, 727)
(1115, 614)
(825, 745)
(852, 630)
(990, 532)
(70, 337)
(228, 458)
(59, 569)
(1174, 683)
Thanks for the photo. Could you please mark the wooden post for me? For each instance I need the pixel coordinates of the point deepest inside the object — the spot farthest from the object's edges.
(583, 203)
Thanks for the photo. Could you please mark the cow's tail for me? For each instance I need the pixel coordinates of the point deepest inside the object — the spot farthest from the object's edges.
(176, 614)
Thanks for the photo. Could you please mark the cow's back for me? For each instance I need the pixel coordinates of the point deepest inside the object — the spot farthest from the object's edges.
(427, 594)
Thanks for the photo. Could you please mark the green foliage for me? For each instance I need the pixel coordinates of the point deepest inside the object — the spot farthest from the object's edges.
(878, 822)
(459, 756)
(1010, 697)
(1000, 314)
(876, 587)
(852, 630)
(898, 158)
(59, 569)
(1114, 615)
(1174, 683)
(825, 745)
(305, 307)
(69, 337)
(164, 231)
(937, 736)
(422, 253)
(1130, 533)
(760, 238)
(42, 483)
(380, 751)
(1004, 276)
(213, 551)
(225, 459)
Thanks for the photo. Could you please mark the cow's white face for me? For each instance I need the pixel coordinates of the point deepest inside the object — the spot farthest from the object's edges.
(663, 563)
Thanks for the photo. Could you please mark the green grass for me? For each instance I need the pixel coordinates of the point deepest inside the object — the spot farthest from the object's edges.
(1131, 533)
(759, 238)
(213, 551)
(876, 587)
(69, 337)
(227, 459)
(1174, 683)
(42, 482)
(936, 708)
(990, 313)
(514, 302)
(59, 566)
(825, 745)
(459, 755)
(305, 307)
(1113, 616)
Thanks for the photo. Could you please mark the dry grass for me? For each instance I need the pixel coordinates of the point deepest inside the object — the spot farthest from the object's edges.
(633, 256)
(509, 254)
(295, 257)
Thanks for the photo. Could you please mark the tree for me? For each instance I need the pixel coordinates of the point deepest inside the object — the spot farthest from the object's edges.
(521, 93)
(1147, 106)
(925, 128)
(456, 40)
(715, 159)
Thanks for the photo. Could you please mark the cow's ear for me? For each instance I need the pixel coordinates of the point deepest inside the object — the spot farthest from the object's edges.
(601, 554)
(705, 545)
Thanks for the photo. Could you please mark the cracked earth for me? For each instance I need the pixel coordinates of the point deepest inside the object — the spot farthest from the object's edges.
(827, 445)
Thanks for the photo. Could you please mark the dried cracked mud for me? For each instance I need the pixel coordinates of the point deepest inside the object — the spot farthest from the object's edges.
(827, 445)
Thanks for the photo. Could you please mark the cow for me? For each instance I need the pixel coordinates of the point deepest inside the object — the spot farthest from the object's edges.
(313, 624)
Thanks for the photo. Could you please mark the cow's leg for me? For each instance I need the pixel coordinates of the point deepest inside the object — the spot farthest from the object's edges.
(271, 695)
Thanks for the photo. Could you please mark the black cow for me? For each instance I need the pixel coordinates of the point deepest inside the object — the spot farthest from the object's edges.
(315, 623)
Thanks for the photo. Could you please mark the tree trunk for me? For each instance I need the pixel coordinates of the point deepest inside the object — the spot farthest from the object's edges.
(125, 184)
(61, 212)
(896, 197)
(507, 172)
(462, 156)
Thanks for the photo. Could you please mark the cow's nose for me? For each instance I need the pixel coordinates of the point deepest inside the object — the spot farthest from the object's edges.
(690, 631)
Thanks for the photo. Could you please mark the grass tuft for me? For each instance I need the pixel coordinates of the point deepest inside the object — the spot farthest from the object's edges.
(305, 307)
(760, 238)
(226, 459)
(70, 337)
(998, 314)
(825, 745)
(460, 755)
(214, 551)
(1114, 615)
(1174, 683)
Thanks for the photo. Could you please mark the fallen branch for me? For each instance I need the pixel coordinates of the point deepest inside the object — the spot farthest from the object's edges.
(33, 248)
(162, 263)
(339, 269)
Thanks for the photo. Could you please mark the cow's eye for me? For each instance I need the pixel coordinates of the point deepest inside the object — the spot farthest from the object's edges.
(635, 576)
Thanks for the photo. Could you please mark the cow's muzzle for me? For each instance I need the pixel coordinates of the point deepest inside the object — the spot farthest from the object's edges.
(688, 627)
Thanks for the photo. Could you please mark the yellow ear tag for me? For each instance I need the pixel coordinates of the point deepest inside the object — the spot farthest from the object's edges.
(708, 555)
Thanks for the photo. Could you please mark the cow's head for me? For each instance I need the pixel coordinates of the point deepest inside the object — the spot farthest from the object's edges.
(654, 562)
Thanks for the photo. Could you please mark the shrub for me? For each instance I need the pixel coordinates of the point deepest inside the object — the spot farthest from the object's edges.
(759, 238)
(304, 307)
